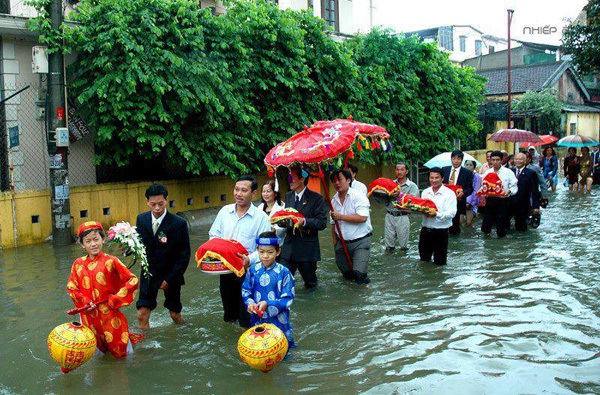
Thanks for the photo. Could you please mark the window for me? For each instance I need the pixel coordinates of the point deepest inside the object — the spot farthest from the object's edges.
(276, 2)
(570, 97)
(492, 49)
(311, 4)
(477, 47)
(463, 44)
(573, 128)
(445, 38)
(330, 13)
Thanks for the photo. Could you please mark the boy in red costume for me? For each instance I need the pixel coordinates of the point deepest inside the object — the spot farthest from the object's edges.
(103, 284)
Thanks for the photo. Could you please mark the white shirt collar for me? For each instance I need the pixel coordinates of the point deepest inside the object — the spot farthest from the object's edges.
(250, 211)
(159, 219)
(299, 195)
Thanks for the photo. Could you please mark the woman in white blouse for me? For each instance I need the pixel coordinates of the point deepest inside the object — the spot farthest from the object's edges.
(271, 203)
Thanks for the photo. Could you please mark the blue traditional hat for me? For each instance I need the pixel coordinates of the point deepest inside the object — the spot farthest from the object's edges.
(268, 241)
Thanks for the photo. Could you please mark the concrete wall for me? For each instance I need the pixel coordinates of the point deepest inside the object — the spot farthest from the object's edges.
(500, 59)
(346, 17)
(587, 124)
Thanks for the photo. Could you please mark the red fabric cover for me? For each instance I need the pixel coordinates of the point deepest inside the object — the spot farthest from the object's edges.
(491, 185)
(364, 129)
(413, 203)
(224, 250)
(384, 185)
(288, 213)
(313, 145)
(456, 188)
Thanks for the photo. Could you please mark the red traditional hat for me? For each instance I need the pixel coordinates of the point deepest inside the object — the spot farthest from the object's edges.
(88, 226)
(491, 185)
(383, 185)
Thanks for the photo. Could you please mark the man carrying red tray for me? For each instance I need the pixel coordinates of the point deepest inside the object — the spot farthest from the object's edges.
(433, 240)
(498, 183)
(457, 176)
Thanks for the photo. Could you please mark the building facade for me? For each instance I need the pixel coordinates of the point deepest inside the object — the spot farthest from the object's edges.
(461, 41)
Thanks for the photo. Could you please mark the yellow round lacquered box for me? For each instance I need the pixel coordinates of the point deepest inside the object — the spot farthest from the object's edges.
(263, 347)
(71, 345)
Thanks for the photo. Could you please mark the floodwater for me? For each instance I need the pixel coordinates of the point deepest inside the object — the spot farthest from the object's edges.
(518, 315)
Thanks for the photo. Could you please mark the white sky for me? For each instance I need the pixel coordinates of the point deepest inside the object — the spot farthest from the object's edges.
(489, 16)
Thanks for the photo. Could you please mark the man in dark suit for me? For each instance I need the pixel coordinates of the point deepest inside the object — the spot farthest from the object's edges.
(596, 165)
(167, 242)
(301, 249)
(527, 196)
(457, 175)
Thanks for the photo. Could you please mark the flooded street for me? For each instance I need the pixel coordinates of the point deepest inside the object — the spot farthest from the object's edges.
(518, 315)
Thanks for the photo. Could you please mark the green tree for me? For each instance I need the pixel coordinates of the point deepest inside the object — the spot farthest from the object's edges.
(544, 107)
(163, 81)
(582, 39)
(414, 91)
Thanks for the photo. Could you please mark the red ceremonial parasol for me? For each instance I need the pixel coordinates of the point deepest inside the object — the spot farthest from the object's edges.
(321, 144)
(515, 136)
(546, 140)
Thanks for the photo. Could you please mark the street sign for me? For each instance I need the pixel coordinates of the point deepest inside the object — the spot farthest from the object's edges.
(61, 192)
(62, 137)
(13, 135)
(56, 161)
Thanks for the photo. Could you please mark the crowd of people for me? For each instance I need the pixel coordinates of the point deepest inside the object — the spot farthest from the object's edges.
(100, 284)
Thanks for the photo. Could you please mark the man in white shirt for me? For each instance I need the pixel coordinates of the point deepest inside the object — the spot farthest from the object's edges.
(397, 223)
(496, 208)
(351, 211)
(359, 186)
(243, 222)
(487, 165)
(433, 240)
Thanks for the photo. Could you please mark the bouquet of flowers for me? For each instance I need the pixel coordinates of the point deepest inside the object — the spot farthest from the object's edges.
(127, 237)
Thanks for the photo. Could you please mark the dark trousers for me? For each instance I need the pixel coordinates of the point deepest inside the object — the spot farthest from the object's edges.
(234, 308)
(308, 271)
(596, 177)
(520, 213)
(455, 228)
(433, 242)
(496, 211)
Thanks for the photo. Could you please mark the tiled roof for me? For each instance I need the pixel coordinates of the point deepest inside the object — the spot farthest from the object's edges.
(523, 78)
(579, 108)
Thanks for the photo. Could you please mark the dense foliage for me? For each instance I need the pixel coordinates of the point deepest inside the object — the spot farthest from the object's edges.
(544, 107)
(164, 80)
(415, 92)
(582, 39)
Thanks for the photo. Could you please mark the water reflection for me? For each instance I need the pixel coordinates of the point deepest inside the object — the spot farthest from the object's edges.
(512, 315)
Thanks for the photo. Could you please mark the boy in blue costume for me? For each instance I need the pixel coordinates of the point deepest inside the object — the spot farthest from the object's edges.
(268, 290)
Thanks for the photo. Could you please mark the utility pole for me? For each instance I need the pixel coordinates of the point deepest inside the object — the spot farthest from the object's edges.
(510, 15)
(57, 146)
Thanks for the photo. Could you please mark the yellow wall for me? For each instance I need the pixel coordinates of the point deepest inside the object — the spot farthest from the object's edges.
(107, 203)
(588, 124)
(112, 203)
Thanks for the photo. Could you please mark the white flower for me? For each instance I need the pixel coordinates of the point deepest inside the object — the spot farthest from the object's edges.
(282, 318)
(258, 296)
(127, 236)
(271, 296)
